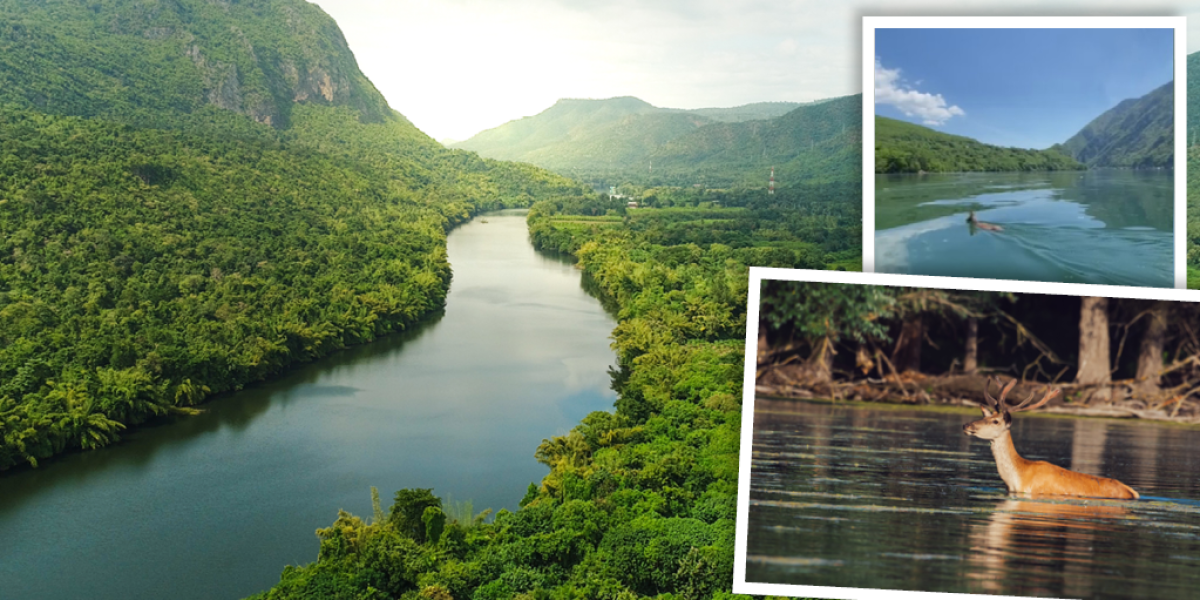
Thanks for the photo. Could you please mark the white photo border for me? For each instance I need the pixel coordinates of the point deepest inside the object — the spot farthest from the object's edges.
(760, 274)
(1177, 23)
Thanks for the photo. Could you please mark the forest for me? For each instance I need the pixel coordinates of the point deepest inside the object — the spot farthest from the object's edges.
(639, 501)
(144, 270)
(902, 147)
(1111, 357)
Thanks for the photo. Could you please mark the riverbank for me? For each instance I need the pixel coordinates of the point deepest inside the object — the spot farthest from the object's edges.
(458, 404)
(912, 388)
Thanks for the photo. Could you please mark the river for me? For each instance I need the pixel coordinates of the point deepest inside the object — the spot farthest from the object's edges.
(888, 497)
(1104, 226)
(214, 506)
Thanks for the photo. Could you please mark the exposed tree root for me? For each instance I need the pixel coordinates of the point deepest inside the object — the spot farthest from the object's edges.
(797, 380)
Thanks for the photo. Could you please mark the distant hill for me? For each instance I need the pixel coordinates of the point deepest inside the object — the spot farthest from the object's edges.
(628, 140)
(815, 141)
(1136, 133)
(903, 147)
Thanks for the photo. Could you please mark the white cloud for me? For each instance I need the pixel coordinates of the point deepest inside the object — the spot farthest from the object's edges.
(930, 108)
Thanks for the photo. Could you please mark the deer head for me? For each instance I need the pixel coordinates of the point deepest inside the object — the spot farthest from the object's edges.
(997, 415)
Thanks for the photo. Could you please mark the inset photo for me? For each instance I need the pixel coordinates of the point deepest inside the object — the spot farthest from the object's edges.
(1031, 148)
(904, 436)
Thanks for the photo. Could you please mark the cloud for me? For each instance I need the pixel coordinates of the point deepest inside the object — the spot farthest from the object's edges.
(930, 108)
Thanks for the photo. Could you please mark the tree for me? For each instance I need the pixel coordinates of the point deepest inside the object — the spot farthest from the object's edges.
(1150, 355)
(1094, 347)
(408, 512)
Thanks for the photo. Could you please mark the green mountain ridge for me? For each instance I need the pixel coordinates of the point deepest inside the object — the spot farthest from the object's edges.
(1136, 133)
(625, 139)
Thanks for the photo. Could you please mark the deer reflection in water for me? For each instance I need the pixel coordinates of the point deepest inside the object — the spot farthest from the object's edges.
(1052, 543)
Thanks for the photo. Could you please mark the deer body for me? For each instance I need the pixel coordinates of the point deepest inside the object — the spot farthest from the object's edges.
(984, 226)
(1040, 478)
(1036, 477)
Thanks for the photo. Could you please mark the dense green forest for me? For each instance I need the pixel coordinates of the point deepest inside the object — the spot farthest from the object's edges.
(1193, 171)
(1138, 133)
(625, 140)
(640, 501)
(902, 147)
(157, 249)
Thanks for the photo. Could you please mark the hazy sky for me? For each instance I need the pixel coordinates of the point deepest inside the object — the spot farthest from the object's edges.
(457, 67)
(1029, 88)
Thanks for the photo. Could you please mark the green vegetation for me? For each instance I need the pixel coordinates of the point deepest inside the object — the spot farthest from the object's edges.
(902, 147)
(1138, 133)
(638, 502)
(143, 270)
(147, 62)
(625, 140)
(1193, 171)
(158, 247)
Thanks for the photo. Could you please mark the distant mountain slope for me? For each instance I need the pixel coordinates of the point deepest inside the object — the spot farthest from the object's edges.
(903, 147)
(567, 119)
(137, 60)
(748, 112)
(813, 132)
(620, 139)
(1137, 133)
(624, 143)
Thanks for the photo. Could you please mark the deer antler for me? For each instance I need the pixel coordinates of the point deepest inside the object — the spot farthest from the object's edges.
(992, 406)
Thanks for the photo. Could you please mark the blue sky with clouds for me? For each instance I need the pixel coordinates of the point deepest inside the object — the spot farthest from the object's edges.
(1029, 88)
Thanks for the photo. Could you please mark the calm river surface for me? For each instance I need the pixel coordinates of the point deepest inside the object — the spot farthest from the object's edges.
(868, 496)
(1104, 226)
(215, 506)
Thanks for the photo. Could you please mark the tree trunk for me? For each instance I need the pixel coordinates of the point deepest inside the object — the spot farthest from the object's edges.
(1094, 347)
(821, 362)
(1150, 358)
(907, 355)
(970, 361)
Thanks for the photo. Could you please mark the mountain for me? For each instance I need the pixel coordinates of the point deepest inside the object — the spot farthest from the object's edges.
(903, 147)
(135, 60)
(819, 140)
(626, 139)
(1136, 133)
(199, 194)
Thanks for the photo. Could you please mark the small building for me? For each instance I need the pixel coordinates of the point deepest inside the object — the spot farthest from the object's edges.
(631, 205)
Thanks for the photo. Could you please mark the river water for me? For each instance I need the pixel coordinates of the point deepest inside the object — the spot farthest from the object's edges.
(887, 497)
(214, 506)
(1105, 226)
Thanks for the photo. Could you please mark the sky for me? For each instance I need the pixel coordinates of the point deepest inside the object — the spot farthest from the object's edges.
(457, 67)
(1028, 88)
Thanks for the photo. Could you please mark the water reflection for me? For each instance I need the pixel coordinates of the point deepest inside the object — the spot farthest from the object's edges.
(1050, 542)
(892, 497)
(1111, 227)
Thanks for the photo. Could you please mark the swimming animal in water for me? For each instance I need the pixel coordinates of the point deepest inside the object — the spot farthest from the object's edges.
(984, 226)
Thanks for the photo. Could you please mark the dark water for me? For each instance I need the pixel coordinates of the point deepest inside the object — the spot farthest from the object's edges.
(1106, 226)
(215, 506)
(899, 498)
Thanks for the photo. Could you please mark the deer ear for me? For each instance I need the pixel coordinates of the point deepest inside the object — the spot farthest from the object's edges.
(985, 411)
(1007, 417)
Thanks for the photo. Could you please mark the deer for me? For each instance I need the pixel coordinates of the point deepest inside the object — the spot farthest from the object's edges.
(980, 224)
(1034, 477)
